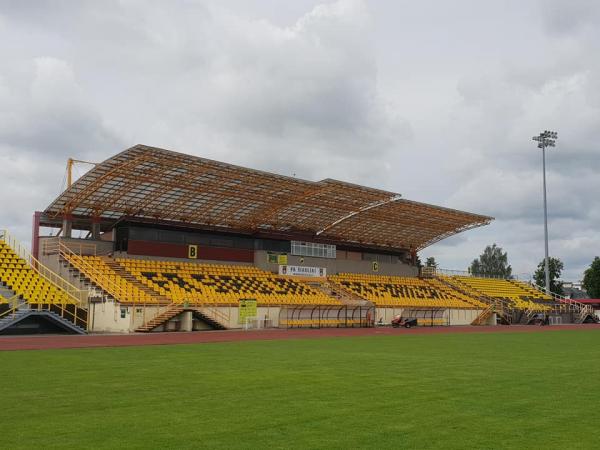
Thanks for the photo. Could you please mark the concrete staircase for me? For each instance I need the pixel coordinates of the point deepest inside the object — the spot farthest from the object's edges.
(12, 319)
(84, 281)
(18, 309)
(5, 292)
(175, 309)
(161, 318)
(339, 293)
(81, 280)
(484, 317)
(120, 270)
(206, 316)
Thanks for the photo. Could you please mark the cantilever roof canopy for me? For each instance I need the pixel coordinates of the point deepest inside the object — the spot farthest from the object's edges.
(157, 184)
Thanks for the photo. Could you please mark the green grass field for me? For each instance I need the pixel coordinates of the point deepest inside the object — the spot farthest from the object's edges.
(450, 391)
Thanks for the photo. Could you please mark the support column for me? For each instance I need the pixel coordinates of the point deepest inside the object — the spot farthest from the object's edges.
(186, 321)
(35, 235)
(67, 227)
(96, 228)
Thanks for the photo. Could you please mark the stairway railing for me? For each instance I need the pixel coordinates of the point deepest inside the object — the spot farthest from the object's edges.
(96, 275)
(483, 315)
(501, 306)
(78, 297)
(216, 314)
(344, 296)
(580, 309)
(15, 303)
(159, 312)
(134, 281)
(211, 311)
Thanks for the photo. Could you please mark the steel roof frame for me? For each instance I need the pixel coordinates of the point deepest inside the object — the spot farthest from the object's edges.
(154, 183)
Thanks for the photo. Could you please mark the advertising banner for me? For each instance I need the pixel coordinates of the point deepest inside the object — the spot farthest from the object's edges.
(247, 309)
(303, 271)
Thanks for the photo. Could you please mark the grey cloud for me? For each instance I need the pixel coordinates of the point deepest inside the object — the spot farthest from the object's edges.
(437, 102)
(570, 17)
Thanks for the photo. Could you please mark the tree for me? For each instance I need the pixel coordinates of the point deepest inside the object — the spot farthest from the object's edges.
(430, 262)
(492, 262)
(591, 279)
(555, 268)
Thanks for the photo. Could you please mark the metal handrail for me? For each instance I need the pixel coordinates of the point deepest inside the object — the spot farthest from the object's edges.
(40, 306)
(16, 305)
(105, 283)
(580, 308)
(217, 315)
(466, 273)
(78, 296)
(500, 305)
(50, 246)
(108, 285)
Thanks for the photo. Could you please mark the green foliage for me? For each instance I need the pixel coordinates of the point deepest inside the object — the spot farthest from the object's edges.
(430, 262)
(492, 262)
(444, 391)
(591, 279)
(556, 267)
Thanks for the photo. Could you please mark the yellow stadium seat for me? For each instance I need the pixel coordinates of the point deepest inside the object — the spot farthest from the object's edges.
(393, 291)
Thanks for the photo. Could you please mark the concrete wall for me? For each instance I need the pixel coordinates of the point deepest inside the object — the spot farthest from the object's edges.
(52, 263)
(106, 317)
(334, 266)
(262, 312)
(198, 261)
(465, 316)
(82, 246)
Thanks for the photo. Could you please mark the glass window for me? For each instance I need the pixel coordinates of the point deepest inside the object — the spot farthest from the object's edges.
(313, 249)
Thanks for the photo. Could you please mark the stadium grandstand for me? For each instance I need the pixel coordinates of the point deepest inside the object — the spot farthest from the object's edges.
(178, 242)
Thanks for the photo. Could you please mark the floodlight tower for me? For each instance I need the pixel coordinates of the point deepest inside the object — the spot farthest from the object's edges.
(546, 139)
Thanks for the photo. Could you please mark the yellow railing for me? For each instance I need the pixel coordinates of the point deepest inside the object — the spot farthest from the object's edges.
(51, 245)
(96, 275)
(78, 296)
(78, 316)
(214, 313)
(14, 303)
(111, 287)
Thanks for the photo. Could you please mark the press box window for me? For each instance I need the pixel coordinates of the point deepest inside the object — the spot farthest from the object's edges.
(313, 249)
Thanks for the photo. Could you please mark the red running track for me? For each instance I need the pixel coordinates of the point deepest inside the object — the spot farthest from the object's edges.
(125, 340)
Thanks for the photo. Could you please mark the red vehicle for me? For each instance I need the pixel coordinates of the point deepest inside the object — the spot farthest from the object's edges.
(406, 322)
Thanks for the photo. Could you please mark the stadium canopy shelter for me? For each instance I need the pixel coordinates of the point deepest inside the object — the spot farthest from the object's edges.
(153, 184)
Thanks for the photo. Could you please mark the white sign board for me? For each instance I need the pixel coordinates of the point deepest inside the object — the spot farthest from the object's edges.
(303, 271)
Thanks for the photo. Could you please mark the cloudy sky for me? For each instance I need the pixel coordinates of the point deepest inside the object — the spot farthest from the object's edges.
(435, 100)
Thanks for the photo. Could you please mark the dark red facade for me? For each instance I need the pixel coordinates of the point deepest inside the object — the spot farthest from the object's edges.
(168, 250)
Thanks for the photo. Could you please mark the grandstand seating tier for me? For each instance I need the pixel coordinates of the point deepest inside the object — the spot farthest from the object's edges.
(410, 292)
(212, 284)
(520, 295)
(103, 275)
(20, 277)
(221, 284)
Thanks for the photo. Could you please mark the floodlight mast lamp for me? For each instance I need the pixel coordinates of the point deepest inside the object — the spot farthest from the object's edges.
(546, 139)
